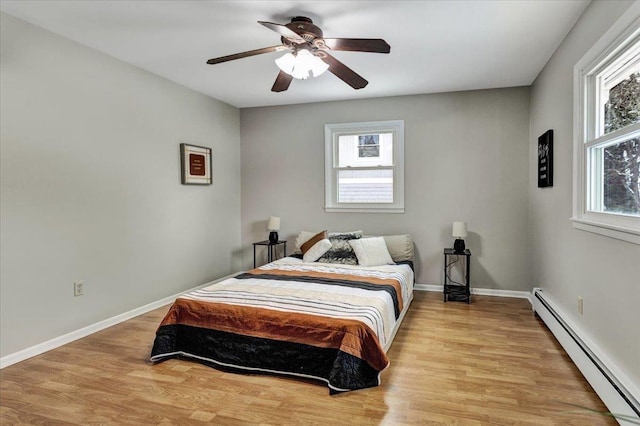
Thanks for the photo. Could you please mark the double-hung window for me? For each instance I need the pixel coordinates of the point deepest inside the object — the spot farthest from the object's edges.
(364, 167)
(607, 134)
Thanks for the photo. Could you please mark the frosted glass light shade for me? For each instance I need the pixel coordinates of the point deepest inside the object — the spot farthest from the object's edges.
(286, 62)
(459, 229)
(273, 224)
(302, 65)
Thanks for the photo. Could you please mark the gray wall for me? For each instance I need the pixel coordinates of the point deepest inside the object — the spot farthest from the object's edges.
(568, 262)
(466, 158)
(90, 187)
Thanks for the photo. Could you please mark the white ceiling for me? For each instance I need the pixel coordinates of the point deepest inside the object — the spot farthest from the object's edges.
(436, 46)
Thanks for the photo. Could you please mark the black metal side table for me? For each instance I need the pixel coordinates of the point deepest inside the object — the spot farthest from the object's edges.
(271, 250)
(456, 291)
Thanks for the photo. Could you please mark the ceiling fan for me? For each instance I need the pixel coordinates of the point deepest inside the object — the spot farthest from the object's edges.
(308, 53)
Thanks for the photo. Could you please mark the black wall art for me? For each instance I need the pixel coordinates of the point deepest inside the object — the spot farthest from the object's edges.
(545, 159)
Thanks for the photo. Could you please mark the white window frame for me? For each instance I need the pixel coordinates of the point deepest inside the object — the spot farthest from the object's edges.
(585, 120)
(331, 134)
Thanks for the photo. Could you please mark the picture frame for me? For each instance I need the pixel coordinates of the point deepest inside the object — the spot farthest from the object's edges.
(195, 162)
(545, 159)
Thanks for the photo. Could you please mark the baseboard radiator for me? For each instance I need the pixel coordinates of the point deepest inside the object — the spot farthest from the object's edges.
(609, 386)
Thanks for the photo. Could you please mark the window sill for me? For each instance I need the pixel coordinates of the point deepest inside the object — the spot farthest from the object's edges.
(363, 210)
(617, 232)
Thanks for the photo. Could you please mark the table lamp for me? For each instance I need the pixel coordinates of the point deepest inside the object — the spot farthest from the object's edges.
(459, 232)
(274, 226)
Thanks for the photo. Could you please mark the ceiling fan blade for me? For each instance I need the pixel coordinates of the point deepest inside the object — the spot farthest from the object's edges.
(284, 31)
(375, 45)
(344, 73)
(246, 54)
(283, 80)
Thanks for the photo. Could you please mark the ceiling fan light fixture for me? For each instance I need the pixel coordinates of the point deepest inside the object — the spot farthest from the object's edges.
(302, 65)
(309, 53)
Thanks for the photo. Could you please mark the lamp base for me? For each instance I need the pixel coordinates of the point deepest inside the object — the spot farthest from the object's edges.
(458, 245)
(273, 237)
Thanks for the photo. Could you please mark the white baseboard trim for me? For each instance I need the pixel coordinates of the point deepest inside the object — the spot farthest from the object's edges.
(615, 389)
(479, 291)
(56, 342)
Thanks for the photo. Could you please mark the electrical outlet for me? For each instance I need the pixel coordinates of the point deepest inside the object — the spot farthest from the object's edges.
(580, 305)
(78, 288)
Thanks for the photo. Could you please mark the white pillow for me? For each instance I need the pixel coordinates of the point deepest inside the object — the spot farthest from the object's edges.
(371, 251)
(317, 250)
(303, 237)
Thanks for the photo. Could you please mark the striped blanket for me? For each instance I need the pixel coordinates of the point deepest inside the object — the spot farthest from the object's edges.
(323, 321)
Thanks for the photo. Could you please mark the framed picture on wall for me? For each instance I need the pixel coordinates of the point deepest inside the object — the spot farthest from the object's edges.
(195, 164)
(545, 159)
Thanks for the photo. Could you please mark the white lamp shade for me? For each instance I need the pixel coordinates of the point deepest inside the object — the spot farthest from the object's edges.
(460, 229)
(273, 224)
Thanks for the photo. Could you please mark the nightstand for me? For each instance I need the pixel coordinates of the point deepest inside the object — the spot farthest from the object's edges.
(456, 291)
(271, 250)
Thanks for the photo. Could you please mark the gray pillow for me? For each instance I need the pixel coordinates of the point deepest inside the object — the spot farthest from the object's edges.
(400, 247)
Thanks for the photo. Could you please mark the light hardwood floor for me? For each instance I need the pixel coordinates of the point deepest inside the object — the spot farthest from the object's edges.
(490, 362)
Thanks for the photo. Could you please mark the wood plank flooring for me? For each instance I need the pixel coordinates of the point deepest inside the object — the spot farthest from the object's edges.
(490, 362)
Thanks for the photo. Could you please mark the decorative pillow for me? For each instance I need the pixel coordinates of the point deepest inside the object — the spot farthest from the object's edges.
(341, 251)
(302, 238)
(371, 251)
(317, 250)
(310, 243)
(400, 247)
(346, 235)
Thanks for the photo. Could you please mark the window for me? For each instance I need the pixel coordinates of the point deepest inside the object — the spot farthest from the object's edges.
(607, 133)
(364, 167)
(368, 146)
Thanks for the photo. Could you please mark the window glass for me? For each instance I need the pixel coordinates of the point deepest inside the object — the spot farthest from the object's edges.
(620, 91)
(615, 171)
(352, 147)
(616, 180)
(622, 107)
(365, 186)
(364, 167)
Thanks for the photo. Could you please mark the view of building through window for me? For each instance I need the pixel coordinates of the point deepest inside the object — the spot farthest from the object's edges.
(366, 168)
(368, 146)
(621, 161)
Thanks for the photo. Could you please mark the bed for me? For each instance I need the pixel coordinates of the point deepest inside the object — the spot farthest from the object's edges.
(321, 320)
